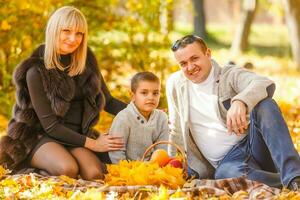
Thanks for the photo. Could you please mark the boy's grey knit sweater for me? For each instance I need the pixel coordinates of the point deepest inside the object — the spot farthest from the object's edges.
(138, 133)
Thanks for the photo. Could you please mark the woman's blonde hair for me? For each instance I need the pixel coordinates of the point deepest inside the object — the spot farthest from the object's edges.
(66, 17)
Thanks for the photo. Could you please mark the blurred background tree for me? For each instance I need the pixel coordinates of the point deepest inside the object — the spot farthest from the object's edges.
(292, 13)
(22, 25)
(240, 42)
(199, 18)
(126, 35)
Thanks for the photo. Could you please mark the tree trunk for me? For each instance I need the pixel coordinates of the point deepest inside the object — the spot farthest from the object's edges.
(292, 16)
(199, 19)
(166, 16)
(170, 16)
(240, 41)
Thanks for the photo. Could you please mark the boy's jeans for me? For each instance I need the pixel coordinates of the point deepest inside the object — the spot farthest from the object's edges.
(267, 153)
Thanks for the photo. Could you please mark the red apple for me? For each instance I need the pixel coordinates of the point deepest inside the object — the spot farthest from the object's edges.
(175, 162)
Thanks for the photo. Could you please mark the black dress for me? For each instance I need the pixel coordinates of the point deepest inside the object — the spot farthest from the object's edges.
(64, 130)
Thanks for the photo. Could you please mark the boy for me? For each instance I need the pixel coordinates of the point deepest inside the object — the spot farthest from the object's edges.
(140, 123)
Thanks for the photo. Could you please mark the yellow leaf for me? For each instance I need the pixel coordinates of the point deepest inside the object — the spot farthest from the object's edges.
(67, 179)
(3, 171)
(162, 194)
(5, 25)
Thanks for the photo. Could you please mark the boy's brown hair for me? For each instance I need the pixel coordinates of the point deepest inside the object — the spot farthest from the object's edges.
(142, 76)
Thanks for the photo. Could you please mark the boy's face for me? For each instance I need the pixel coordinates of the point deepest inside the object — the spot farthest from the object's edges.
(146, 97)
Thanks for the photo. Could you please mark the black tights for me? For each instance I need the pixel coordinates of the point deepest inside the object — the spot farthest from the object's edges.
(59, 160)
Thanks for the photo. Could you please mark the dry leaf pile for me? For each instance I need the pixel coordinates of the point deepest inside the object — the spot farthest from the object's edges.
(144, 173)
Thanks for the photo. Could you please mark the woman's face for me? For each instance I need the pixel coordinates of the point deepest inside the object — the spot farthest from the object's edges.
(69, 40)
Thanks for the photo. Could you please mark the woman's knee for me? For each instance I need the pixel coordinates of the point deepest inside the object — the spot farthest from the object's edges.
(55, 159)
(69, 169)
(93, 173)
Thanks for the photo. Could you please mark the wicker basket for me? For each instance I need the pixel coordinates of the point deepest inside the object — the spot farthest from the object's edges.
(181, 152)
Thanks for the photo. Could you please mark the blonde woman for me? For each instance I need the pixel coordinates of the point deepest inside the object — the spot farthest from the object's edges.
(59, 94)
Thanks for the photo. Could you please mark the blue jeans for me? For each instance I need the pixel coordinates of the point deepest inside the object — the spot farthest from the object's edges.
(267, 153)
(192, 173)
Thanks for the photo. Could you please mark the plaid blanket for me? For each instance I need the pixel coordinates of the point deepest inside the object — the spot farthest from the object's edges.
(251, 189)
(246, 189)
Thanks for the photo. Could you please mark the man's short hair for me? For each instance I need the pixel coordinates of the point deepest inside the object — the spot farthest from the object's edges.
(142, 76)
(189, 39)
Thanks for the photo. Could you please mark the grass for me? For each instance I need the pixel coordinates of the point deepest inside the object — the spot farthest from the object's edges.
(264, 39)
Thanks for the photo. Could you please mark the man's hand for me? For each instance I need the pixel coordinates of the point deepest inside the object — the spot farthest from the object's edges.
(236, 118)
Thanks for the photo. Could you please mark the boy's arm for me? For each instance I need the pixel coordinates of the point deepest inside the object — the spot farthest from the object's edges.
(164, 131)
(119, 127)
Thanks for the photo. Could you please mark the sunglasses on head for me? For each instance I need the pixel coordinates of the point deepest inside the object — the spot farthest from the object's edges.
(189, 39)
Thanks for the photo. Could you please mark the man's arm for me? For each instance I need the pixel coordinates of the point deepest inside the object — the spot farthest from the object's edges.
(250, 87)
(174, 117)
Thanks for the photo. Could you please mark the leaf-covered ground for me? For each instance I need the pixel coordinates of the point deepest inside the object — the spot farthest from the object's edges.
(34, 186)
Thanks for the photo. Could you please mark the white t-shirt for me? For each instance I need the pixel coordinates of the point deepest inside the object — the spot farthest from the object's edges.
(209, 133)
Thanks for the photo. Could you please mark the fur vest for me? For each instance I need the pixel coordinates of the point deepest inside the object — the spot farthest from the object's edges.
(24, 128)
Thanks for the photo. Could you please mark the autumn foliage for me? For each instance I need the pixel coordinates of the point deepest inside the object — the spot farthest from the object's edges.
(144, 173)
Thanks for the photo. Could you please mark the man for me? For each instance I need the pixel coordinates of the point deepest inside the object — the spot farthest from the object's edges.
(226, 120)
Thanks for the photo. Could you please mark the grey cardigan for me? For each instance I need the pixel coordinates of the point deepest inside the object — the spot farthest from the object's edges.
(138, 133)
(232, 83)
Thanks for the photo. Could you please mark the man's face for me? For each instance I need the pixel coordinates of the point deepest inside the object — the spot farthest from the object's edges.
(194, 63)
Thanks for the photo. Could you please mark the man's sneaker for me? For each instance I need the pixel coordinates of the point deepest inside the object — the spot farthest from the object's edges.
(294, 184)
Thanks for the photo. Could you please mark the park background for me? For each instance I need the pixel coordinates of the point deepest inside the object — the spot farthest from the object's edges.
(128, 36)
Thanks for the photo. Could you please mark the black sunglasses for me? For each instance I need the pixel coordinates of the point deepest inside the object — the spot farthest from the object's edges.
(188, 39)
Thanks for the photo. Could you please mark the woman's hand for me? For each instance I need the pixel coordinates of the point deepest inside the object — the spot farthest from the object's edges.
(105, 143)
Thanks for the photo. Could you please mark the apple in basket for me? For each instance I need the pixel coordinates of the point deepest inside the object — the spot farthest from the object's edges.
(161, 157)
(175, 162)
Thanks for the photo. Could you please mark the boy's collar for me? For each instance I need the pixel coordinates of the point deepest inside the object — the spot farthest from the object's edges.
(138, 114)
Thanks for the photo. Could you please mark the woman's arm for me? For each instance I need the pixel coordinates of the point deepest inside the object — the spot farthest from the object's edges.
(55, 128)
(112, 105)
(49, 121)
